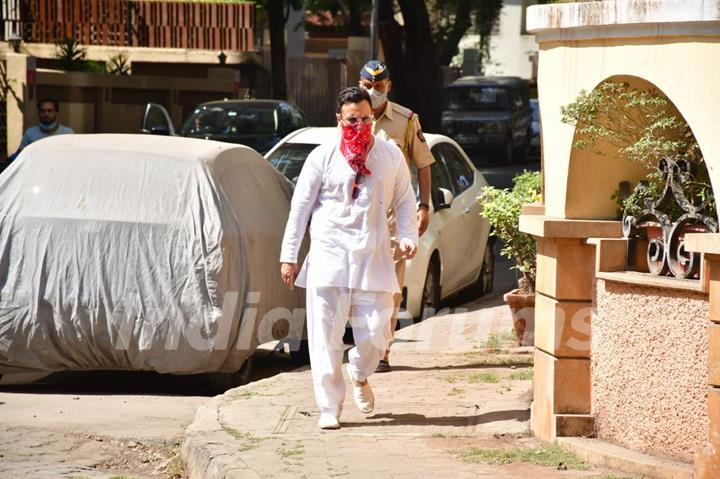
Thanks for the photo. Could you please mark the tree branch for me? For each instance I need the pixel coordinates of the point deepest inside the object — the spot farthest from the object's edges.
(448, 46)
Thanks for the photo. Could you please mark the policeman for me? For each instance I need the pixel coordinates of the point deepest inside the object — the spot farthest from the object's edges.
(400, 125)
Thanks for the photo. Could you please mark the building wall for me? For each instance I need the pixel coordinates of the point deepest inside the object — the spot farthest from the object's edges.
(511, 50)
(651, 358)
(99, 103)
(680, 57)
(649, 368)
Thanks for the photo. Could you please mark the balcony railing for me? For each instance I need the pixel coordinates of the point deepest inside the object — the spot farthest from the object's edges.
(132, 23)
(658, 231)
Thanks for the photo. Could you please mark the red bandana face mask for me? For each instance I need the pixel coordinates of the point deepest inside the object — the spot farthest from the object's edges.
(355, 144)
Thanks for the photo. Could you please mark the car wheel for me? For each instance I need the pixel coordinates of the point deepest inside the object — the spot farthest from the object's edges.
(484, 283)
(221, 382)
(431, 289)
(487, 272)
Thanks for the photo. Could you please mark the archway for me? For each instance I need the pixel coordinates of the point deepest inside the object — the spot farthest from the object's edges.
(594, 174)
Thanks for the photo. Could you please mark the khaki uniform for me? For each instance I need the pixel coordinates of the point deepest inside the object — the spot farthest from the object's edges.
(402, 126)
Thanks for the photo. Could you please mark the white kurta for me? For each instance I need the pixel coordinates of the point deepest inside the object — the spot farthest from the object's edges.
(350, 238)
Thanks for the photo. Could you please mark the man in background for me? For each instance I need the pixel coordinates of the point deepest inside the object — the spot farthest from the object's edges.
(48, 110)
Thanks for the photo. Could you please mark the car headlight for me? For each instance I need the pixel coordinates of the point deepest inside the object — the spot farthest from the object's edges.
(495, 127)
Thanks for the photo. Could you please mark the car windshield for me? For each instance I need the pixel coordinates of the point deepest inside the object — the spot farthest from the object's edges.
(289, 159)
(232, 120)
(473, 98)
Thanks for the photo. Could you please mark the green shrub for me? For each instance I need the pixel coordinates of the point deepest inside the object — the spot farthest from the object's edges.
(642, 126)
(502, 208)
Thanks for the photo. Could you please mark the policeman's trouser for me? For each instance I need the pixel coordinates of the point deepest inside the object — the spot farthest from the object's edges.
(397, 297)
(399, 272)
(327, 314)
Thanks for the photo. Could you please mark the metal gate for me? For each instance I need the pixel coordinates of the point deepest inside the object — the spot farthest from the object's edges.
(313, 85)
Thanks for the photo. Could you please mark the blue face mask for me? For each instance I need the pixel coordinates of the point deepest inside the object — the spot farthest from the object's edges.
(50, 126)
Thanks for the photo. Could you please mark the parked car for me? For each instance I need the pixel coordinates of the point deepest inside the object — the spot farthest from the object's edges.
(138, 252)
(455, 253)
(535, 142)
(489, 114)
(258, 124)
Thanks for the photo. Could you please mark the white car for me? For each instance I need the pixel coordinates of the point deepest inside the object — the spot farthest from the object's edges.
(456, 251)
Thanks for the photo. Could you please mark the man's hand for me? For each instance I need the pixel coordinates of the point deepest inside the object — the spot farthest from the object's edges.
(424, 179)
(288, 272)
(407, 248)
(423, 218)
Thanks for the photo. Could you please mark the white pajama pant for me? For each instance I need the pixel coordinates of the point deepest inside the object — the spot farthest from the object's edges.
(328, 311)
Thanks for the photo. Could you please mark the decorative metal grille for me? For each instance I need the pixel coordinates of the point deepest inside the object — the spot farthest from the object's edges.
(665, 251)
(133, 23)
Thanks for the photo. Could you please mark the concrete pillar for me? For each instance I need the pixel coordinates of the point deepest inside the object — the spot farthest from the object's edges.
(563, 310)
(16, 65)
(707, 461)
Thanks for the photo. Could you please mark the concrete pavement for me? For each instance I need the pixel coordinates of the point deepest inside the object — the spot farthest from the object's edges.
(446, 392)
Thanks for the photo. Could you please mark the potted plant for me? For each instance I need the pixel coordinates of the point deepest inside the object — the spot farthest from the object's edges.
(502, 208)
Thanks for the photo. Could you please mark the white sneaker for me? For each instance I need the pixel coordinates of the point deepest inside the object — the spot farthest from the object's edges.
(363, 395)
(328, 421)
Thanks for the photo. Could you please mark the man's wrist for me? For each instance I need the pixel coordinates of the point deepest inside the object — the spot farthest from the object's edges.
(423, 206)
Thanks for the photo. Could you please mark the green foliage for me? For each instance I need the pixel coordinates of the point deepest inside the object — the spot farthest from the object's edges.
(486, 15)
(119, 64)
(497, 340)
(502, 208)
(522, 375)
(644, 194)
(487, 378)
(448, 20)
(73, 56)
(642, 126)
(552, 455)
(456, 392)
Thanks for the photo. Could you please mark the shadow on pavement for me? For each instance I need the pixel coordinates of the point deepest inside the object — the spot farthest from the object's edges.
(412, 419)
(451, 367)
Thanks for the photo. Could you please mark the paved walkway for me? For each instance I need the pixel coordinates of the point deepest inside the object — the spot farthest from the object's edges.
(446, 393)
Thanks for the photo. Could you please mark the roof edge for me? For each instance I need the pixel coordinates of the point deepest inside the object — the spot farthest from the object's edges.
(545, 18)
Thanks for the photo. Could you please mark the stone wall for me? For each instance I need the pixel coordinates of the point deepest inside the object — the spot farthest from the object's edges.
(649, 368)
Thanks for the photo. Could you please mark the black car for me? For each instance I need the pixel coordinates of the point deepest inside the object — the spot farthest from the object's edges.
(258, 124)
(489, 114)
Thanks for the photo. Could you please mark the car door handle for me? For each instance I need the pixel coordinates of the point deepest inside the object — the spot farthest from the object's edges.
(466, 211)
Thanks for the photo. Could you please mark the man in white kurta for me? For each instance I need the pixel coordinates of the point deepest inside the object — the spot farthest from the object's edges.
(349, 272)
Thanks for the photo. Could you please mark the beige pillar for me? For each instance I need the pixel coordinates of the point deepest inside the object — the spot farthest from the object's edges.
(16, 65)
(563, 308)
(707, 461)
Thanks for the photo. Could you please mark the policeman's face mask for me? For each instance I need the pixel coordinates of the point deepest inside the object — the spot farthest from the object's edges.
(377, 98)
(378, 92)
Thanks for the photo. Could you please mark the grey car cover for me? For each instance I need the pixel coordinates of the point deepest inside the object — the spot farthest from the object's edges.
(139, 252)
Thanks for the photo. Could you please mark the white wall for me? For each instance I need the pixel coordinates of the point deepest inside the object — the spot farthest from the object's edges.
(510, 51)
